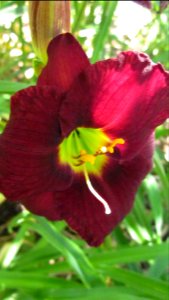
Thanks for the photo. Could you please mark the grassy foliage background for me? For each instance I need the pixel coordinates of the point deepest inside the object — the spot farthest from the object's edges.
(45, 260)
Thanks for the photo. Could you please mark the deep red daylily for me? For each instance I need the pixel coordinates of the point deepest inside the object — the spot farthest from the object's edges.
(78, 144)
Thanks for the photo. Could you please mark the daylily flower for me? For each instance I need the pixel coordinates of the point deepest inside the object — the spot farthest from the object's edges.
(78, 145)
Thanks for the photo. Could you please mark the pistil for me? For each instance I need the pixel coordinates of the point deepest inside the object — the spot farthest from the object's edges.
(95, 193)
(85, 157)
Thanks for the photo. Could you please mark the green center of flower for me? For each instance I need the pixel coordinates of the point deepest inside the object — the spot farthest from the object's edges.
(84, 150)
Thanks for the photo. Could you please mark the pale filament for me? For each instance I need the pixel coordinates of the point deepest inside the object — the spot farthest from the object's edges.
(93, 191)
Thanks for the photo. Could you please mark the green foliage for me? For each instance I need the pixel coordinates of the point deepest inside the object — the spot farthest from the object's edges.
(44, 260)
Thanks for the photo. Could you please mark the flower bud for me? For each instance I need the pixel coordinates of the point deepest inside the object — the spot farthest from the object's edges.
(47, 19)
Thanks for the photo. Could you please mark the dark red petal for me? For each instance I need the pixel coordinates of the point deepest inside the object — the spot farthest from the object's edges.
(28, 146)
(66, 60)
(146, 3)
(43, 204)
(118, 186)
(127, 97)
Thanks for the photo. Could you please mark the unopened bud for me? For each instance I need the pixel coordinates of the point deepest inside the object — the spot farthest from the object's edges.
(47, 20)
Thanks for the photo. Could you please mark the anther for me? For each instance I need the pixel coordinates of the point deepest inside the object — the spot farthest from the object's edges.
(110, 147)
(85, 157)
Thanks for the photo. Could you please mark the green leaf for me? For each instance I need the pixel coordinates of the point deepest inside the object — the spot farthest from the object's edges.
(79, 16)
(7, 87)
(75, 256)
(4, 105)
(129, 254)
(97, 293)
(102, 34)
(146, 286)
(152, 188)
(19, 280)
(132, 225)
(163, 176)
(140, 213)
(14, 246)
(160, 267)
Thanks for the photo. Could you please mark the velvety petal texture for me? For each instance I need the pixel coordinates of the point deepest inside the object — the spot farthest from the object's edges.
(28, 146)
(120, 99)
(66, 60)
(118, 185)
(127, 97)
(44, 204)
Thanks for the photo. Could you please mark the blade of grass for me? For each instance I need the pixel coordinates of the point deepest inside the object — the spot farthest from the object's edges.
(152, 189)
(47, 268)
(102, 34)
(130, 254)
(80, 16)
(141, 216)
(75, 256)
(14, 246)
(133, 228)
(12, 87)
(162, 174)
(97, 293)
(159, 268)
(4, 105)
(19, 280)
(146, 286)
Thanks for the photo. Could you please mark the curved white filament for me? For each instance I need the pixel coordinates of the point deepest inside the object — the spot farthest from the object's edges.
(98, 197)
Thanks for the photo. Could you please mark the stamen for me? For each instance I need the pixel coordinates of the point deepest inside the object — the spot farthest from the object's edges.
(110, 147)
(85, 157)
(118, 141)
(93, 191)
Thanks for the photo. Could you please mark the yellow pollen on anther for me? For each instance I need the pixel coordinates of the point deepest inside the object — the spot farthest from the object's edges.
(110, 147)
(85, 157)
(119, 141)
